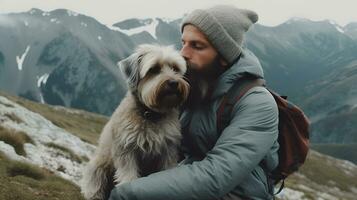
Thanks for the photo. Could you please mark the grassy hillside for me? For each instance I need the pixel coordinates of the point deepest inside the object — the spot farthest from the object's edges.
(323, 176)
(23, 181)
(85, 125)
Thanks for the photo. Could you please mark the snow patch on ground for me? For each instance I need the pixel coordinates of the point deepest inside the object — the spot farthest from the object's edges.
(325, 196)
(43, 132)
(290, 194)
(348, 167)
(9, 151)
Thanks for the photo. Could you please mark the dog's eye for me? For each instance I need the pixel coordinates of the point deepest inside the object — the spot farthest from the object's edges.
(154, 70)
(175, 68)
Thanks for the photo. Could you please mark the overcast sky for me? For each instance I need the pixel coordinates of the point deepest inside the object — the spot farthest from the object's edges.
(271, 12)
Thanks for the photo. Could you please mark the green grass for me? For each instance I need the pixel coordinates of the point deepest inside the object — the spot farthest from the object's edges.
(17, 168)
(318, 170)
(22, 181)
(85, 125)
(17, 139)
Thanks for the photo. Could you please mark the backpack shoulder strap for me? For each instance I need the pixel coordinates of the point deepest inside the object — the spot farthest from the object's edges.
(232, 97)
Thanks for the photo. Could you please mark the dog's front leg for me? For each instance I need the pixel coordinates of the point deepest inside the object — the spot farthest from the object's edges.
(97, 181)
(126, 168)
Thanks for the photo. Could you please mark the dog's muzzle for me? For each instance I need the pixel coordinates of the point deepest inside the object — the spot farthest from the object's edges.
(171, 94)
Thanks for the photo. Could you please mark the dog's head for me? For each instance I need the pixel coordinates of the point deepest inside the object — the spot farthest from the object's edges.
(155, 74)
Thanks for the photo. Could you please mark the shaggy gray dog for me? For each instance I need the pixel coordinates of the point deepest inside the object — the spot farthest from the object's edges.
(143, 134)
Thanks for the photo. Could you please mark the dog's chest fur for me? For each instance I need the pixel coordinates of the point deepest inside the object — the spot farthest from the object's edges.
(147, 139)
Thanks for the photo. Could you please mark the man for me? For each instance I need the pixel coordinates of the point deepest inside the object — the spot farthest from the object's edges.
(222, 165)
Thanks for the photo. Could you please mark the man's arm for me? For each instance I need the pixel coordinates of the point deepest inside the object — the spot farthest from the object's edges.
(242, 145)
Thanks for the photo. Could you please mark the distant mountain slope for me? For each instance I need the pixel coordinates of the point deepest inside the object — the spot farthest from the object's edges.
(342, 151)
(62, 58)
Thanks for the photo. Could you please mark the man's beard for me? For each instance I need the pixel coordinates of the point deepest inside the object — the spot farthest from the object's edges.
(202, 81)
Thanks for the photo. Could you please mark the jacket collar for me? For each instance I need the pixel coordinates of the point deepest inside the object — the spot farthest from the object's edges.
(247, 64)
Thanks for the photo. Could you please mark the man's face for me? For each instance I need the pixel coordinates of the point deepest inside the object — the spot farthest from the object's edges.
(198, 51)
(204, 64)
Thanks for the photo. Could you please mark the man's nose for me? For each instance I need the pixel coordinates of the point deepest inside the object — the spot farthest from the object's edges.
(185, 52)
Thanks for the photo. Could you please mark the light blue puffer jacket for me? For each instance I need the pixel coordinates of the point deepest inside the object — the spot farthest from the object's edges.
(220, 166)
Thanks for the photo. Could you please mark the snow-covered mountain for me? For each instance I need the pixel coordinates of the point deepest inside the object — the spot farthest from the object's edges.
(54, 145)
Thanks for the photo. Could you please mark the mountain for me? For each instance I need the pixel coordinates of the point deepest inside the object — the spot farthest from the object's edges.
(351, 30)
(65, 58)
(298, 52)
(286, 51)
(62, 58)
(44, 147)
(331, 101)
(315, 64)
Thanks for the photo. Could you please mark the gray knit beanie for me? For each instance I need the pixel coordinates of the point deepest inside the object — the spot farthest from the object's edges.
(224, 27)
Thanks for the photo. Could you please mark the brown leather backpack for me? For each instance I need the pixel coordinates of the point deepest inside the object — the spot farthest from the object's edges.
(293, 128)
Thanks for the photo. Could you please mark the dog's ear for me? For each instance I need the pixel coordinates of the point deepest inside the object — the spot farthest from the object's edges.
(125, 67)
(129, 67)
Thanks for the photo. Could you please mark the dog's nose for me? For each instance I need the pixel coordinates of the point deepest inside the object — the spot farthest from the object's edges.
(172, 84)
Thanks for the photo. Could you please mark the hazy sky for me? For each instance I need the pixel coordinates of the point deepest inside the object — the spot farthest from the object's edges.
(271, 12)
